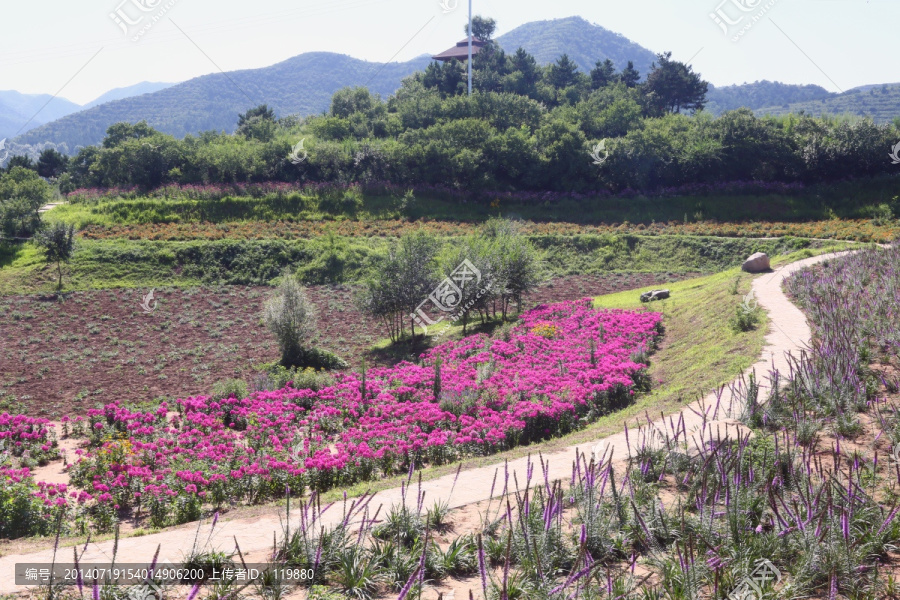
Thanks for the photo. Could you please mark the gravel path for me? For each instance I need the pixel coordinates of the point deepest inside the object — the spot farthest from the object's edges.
(789, 333)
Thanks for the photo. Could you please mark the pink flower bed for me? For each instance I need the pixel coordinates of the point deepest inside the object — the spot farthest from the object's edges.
(21, 435)
(560, 365)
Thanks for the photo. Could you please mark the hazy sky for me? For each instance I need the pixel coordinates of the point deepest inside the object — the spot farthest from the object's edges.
(838, 44)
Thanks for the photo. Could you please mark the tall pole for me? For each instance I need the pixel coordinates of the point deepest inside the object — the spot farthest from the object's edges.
(470, 47)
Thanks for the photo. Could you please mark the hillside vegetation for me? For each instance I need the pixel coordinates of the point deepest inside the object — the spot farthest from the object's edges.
(583, 42)
(759, 94)
(881, 103)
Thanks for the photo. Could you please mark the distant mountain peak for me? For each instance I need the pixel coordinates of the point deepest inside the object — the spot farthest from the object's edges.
(584, 42)
(144, 87)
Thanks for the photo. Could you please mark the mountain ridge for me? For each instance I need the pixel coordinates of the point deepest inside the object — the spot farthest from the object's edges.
(304, 84)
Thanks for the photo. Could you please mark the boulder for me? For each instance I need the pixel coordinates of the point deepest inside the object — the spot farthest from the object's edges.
(757, 263)
(654, 295)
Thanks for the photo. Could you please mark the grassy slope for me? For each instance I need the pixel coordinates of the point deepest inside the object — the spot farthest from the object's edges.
(116, 263)
(843, 199)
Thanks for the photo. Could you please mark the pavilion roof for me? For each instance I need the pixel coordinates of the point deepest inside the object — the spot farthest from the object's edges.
(461, 50)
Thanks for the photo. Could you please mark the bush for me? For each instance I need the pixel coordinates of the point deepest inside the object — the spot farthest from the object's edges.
(229, 388)
(22, 193)
(340, 201)
(290, 315)
(328, 263)
(277, 377)
(745, 319)
(317, 358)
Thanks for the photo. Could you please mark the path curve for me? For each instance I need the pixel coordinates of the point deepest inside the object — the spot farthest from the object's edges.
(789, 333)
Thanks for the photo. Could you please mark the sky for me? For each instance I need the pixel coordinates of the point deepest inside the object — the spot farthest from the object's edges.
(75, 47)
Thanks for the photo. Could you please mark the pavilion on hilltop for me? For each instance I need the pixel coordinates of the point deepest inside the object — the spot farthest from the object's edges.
(461, 50)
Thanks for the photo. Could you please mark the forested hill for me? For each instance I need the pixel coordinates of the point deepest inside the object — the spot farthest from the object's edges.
(759, 94)
(303, 84)
(880, 102)
(583, 42)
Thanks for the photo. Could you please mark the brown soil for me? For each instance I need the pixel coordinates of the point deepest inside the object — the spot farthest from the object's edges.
(99, 346)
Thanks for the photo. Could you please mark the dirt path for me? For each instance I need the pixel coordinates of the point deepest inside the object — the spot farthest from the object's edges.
(49, 207)
(789, 333)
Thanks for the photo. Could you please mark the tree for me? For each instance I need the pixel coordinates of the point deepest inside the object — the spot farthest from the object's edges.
(483, 28)
(52, 163)
(82, 167)
(603, 74)
(629, 75)
(347, 101)
(289, 315)
(118, 133)
(562, 73)
(489, 67)
(58, 245)
(406, 277)
(516, 264)
(262, 111)
(145, 162)
(672, 86)
(22, 193)
(22, 161)
(524, 75)
(448, 78)
(258, 124)
(474, 293)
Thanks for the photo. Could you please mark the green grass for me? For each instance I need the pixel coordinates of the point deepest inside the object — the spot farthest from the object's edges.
(844, 199)
(117, 263)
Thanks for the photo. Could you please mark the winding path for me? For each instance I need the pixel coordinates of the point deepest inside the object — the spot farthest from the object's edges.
(789, 332)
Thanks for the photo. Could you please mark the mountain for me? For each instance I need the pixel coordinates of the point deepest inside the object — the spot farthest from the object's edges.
(16, 109)
(584, 42)
(303, 84)
(138, 89)
(759, 94)
(880, 102)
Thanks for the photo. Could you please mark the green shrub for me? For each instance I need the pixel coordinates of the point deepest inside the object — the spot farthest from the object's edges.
(278, 376)
(22, 193)
(229, 388)
(341, 201)
(881, 214)
(21, 513)
(289, 315)
(745, 318)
